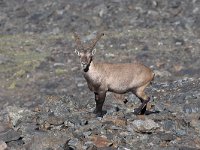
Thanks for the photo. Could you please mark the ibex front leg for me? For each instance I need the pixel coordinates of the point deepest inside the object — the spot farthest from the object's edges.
(99, 98)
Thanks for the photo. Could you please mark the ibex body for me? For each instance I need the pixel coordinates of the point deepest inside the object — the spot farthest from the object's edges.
(117, 78)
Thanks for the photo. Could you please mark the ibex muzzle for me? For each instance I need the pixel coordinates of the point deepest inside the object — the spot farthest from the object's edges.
(117, 78)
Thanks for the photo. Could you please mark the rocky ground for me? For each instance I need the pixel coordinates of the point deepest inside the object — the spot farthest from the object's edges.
(44, 100)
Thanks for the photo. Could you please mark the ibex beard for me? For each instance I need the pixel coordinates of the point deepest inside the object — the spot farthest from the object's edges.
(116, 78)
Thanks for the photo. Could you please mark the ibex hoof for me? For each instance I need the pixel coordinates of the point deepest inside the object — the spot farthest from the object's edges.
(140, 111)
(137, 111)
(99, 113)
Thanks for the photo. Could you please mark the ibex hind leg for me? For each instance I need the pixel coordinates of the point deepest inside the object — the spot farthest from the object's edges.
(143, 98)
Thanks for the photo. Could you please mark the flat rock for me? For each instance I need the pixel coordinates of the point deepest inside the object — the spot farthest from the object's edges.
(50, 140)
(10, 135)
(144, 126)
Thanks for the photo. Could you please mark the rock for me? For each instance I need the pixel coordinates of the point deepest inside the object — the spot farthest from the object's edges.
(181, 132)
(3, 59)
(57, 65)
(162, 73)
(16, 144)
(116, 121)
(9, 135)
(167, 137)
(3, 127)
(16, 113)
(168, 125)
(144, 126)
(100, 141)
(91, 147)
(87, 134)
(110, 55)
(187, 148)
(196, 124)
(21, 12)
(46, 140)
(53, 120)
(73, 143)
(59, 105)
(3, 145)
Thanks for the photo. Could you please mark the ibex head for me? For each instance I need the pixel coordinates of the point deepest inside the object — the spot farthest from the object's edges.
(87, 52)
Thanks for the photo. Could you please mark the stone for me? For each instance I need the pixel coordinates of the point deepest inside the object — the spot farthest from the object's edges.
(196, 124)
(101, 141)
(163, 73)
(3, 127)
(53, 120)
(116, 121)
(168, 125)
(3, 59)
(144, 126)
(167, 137)
(3, 145)
(87, 134)
(74, 143)
(16, 113)
(47, 140)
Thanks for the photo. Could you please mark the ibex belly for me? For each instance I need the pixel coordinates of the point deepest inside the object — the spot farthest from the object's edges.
(120, 87)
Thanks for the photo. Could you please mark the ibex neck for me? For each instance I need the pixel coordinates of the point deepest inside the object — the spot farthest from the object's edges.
(89, 67)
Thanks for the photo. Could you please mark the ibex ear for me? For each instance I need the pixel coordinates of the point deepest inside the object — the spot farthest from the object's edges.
(77, 52)
(93, 52)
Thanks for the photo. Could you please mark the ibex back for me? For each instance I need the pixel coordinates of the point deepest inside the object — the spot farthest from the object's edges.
(117, 78)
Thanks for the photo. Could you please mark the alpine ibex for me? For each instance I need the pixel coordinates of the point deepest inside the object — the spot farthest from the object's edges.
(117, 78)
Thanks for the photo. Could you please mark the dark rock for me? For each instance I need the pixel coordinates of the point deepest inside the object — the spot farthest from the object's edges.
(174, 4)
(145, 48)
(21, 12)
(179, 42)
(92, 147)
(169, 125)
(181, 132)
(167, 137)
(3, 3)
